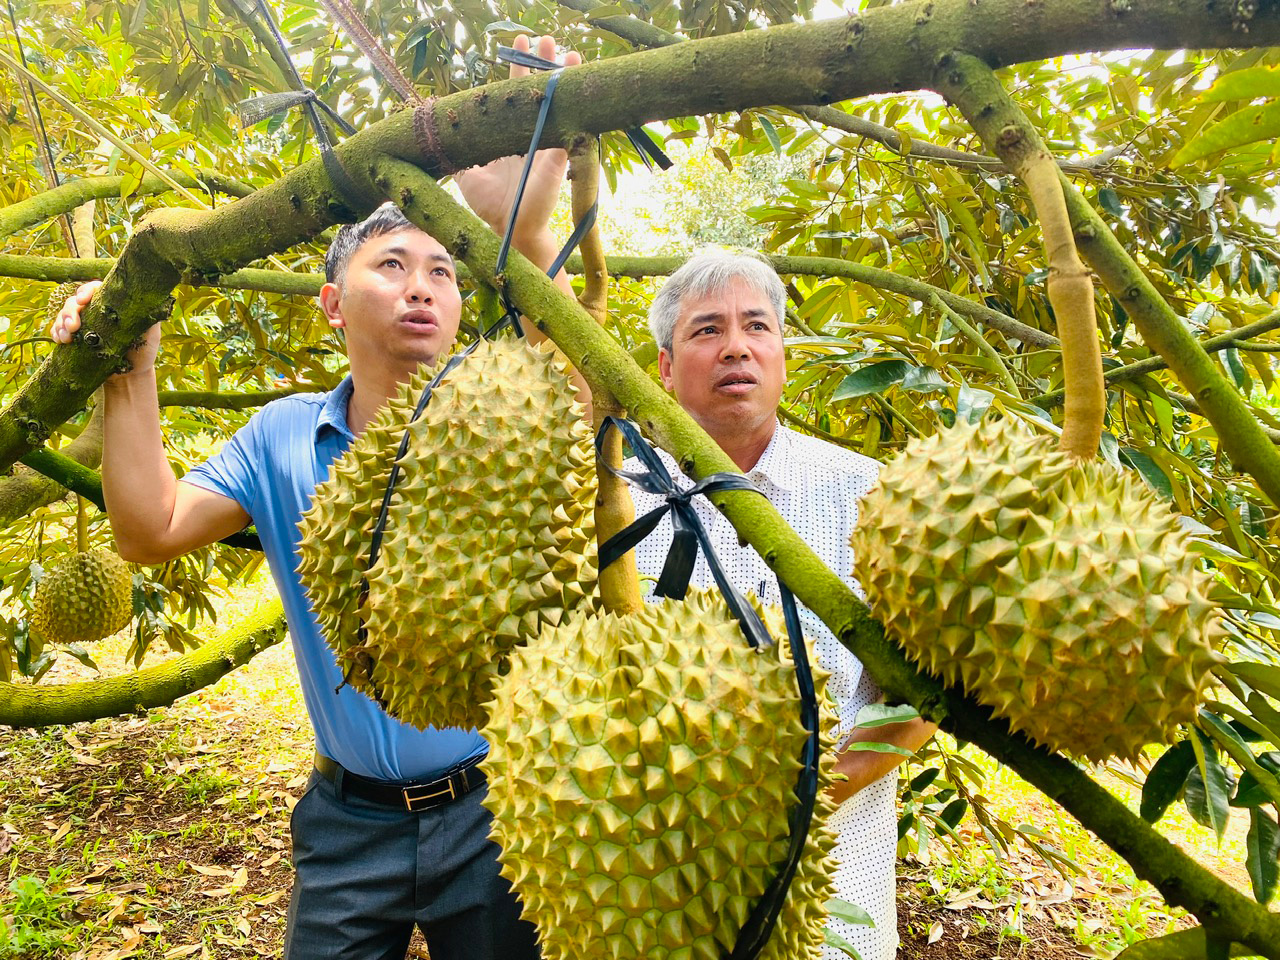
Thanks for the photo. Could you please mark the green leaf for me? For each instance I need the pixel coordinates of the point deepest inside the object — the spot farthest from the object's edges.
(1250, 125)
(1151, 471)
(871, 379)
(1247, 84)
(1109, 200)
(924, 380)
(832, 939)
(1263, 860)
(1261, 676)
(1249, 792)
(876, 746)
(879, 714)
(850, 913)
(1231, 359)
(1208, 790)
(1166, 779)
(504, 26)
(972, 403)
(771, 133)
(954, 812)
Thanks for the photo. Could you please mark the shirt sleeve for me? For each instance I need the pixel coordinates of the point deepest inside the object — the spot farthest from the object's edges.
(234, 470)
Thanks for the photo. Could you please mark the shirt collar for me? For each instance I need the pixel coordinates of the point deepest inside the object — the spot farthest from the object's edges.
(776, 463)
(334, 412)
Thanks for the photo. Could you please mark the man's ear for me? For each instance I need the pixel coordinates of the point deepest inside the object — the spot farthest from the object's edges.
(330, 300)
(664, 369)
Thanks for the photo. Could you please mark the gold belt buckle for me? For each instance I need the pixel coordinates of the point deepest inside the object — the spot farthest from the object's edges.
(410, 798)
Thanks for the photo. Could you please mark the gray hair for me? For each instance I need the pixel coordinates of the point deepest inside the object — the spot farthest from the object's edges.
(350, 237)
(707, 273)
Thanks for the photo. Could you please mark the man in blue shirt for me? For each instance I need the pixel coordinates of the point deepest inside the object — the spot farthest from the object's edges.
(390, 831)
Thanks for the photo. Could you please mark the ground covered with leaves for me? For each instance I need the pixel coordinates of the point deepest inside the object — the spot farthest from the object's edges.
(167, 835)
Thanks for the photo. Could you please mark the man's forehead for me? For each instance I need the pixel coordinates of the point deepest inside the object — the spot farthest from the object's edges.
(408, 240)
(738, 296)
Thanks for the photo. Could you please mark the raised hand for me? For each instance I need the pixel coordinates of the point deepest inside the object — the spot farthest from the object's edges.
(142, 357)
(490, 190)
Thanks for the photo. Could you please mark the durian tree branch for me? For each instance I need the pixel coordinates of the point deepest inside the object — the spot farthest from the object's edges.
(1151, 364)
(601, 360)
(214, 400)
(640, 33)
(972, 87)
(803, 424)
(970, 84)
(62, 269)
(44, 705)
(1190, 405)
(1180, 945)
(72, 193)
(26, 490)
(70, 475)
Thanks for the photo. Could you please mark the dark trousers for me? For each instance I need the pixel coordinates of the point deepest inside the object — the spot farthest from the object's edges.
(366, 874)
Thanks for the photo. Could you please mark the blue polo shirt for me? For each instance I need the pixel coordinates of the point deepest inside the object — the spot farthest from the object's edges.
(271, 467)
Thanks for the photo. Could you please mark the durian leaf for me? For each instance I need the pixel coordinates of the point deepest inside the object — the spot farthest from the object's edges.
(1250, 793)
(850, 913)
(871, 379)
(1249, 125)
(879, 714)
(840, 943)
(972, 403)
(1151, 471)
(877, 746)
(1208, 787)
(1166, 779)
(1263, 677)
(1248, 84)
(954, 812)
(1263, 860)
(924, 779)
(924, 380)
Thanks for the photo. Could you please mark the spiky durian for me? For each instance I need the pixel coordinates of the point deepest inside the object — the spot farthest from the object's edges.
(83, 597)
(1057, 592)
(640, 776)
(58, 296)
(488, 536)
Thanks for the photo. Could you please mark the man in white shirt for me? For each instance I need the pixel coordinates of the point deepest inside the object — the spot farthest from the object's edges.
(718, 325)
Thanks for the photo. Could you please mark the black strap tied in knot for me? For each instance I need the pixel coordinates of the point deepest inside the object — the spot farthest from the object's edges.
(258, 108)
(688, 534)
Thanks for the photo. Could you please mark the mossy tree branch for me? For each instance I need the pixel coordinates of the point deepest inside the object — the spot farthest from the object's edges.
(27, 490)
(59, 270)
(73, 193)
(1182, 945)
(1151, 364)
(44, 705)
(602, 360)
(640, 33)
(969, 83)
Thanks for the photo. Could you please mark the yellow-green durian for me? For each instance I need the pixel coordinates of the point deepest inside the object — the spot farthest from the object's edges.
(58, 296)
(83, 597)
(1060, 593)
(489, 534)
(640, 775)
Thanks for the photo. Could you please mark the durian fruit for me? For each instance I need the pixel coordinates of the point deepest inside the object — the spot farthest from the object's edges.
(58, 296)
(1059, 592)
(83, 597)
(640, 775)
(489, 534)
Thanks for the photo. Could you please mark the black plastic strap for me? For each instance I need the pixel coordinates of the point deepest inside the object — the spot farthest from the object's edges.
(307, 98)
(687, 529)
(688, 535)
(640, 138)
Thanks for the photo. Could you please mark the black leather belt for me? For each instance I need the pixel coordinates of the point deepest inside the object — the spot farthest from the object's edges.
(414, 796)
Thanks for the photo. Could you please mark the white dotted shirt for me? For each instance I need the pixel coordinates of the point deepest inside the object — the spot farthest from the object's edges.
(816, 487)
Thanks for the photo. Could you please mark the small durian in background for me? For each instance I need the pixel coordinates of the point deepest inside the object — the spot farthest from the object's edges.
(489, 535)
(1059, 592)
(641, 773)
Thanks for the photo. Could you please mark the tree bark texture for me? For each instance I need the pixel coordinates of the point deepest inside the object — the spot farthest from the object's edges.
(43, 705)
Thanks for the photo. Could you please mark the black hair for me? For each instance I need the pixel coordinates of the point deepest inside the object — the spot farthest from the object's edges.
(388, 218)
